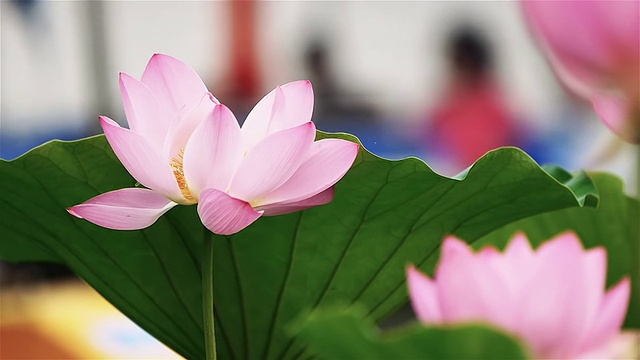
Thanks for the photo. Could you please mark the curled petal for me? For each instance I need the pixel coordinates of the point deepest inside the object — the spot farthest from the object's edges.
(424, 296)
(615, 113)
(322, 198)
(124, 209)
(213, 152)
(286, 106)
(594, 47)
(573, 31)
(223, 214)
(271, 162)
(142, 110)
(622, 23)
(176, 86)
(141, 159)
(299, 101)
(328, 161)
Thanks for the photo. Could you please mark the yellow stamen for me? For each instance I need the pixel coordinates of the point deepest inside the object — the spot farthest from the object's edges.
(178, 172)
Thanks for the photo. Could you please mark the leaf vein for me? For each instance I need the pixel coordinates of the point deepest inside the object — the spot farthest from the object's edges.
(276, 313)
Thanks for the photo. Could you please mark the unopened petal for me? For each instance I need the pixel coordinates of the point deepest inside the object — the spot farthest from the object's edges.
(452, 248)
(518, 263)
(213, 152)
(286, 106)
(285, 207)
(424, 296)
(143, 160)
(223, 214)
(519, 248)
(594, 270)
(181, 131)
(328, 161)
(469, 288)
(143, 111)
(271, 162)
(554, 323)
(558, 309)
(610, 317)
(176, 86)
(125, 209)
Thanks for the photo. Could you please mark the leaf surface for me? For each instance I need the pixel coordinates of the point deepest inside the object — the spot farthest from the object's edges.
(386, 214)
(347, 335)
(615, 225)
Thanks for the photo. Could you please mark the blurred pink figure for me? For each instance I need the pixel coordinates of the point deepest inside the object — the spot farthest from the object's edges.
(553, 298)
(594, 47)
(472, 117)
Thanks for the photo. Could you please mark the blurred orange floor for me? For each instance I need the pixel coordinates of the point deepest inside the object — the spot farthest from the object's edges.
(70, 321)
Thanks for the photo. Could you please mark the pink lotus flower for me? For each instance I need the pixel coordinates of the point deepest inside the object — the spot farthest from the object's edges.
(553, 298)
(187, 148)
(594, 46)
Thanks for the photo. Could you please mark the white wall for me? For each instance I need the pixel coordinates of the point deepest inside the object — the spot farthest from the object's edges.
(43, 67)
(193, 31)
(389, 52)
(46, 71)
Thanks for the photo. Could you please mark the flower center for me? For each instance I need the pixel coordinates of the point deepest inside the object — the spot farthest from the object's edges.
(178, 172)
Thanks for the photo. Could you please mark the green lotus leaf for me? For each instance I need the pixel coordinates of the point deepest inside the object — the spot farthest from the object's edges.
(349, 335)
(386, 214)
(614, 224)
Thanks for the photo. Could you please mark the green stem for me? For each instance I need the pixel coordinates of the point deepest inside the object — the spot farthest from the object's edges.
(637, 172)
(637, 196)
(207, 297)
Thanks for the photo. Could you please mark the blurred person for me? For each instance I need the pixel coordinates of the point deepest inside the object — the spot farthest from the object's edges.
(333, 107)
(340, 110)
(472, 116)
(26, 7)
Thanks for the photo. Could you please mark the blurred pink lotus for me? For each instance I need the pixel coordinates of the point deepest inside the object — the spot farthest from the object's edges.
(553, 298)
(187, 148)
(594, 47)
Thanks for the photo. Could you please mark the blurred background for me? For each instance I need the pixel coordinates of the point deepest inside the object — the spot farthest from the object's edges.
(444, 81)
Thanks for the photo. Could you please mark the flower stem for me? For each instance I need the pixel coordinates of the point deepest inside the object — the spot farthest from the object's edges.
(637, 196)
(207, 297)
(637, 171)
